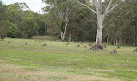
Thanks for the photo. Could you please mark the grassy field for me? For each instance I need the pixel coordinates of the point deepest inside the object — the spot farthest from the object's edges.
(58, 62)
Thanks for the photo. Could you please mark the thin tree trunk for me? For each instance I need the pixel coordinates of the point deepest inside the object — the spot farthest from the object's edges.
(108, 39)
(0, 36)
(69, 37)
(120, 42)
(45, 28)
(124, 41)
(116, 41)
(63, 34)
(135, 40)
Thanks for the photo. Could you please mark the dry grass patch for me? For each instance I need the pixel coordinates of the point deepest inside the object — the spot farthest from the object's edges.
(1, 61)
(45, 75)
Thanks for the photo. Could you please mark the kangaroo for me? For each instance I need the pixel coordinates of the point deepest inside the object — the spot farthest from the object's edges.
(93, 48)
(85, 46)
(135, 50)
(114, 51)
(8, 42)
(105, 46)
(44, 45)
(68, 44)
(25, 43)
(118, 46)
(78, 45)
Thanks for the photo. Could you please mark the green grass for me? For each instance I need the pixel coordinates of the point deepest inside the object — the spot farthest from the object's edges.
(45, 38)
(58, 62)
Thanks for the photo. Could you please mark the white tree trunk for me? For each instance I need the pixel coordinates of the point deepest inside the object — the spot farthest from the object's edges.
(99, 37)
(63, 33)
(0, 36)
(116, 41)
(100, 16)
(62, 36)
(108, 39)
(100, 19)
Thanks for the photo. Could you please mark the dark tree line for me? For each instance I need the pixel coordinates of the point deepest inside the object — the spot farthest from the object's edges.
(119, 26)
(69, 21)
(18, 21)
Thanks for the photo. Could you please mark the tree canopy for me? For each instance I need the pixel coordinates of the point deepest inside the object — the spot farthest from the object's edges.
(70, 21)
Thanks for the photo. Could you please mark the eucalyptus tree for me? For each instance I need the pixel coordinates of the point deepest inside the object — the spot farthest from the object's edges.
(101, 10)
(132, 17)
(42, 25)
(29, 27)
(64, 11)
(121, 27)
(114, 26)
(82, 26)
(16, 13)
(51, 21)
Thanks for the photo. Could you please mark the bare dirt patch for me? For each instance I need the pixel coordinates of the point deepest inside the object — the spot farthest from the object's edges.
(1, 61)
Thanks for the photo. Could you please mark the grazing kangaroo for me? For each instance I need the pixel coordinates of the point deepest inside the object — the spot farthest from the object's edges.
(93, 48)
(26, 43)
(114, 51)
(8, 42)
(104, 46)
(118, 46)
(135, 50)
(85, 46)
(68, 44)
(90, 45)
(44, 45)
(78, 45)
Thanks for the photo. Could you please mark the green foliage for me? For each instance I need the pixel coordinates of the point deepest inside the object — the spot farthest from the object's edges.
(121, 24)
(81, 21)
(12, 31)
(29, 27)
(15, 14)
(40, 21)
(3, 20)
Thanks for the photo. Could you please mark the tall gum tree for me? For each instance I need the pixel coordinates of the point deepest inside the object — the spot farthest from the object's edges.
(64, 14)
(101, 14)
(64, 10)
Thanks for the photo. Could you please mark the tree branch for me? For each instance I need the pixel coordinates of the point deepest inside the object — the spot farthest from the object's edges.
(86, 6)
(111, 9)
(108, 9)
